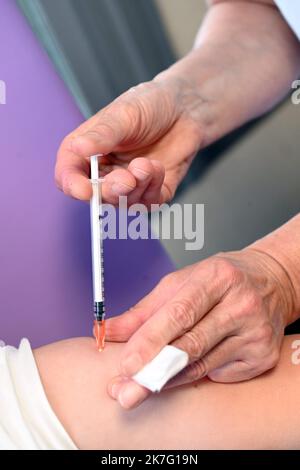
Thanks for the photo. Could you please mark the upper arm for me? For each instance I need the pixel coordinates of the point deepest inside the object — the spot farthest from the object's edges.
(261, 413)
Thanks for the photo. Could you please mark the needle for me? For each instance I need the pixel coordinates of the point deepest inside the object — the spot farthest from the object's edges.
(99, 330)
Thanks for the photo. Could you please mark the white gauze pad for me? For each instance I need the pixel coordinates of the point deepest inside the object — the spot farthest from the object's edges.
(162, 368)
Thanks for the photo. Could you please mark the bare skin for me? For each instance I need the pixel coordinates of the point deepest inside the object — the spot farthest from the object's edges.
(151, 133)
(259, 414)
(227, 312)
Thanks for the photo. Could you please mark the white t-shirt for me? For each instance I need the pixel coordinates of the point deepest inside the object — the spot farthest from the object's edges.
(27, 420)
(290, 9)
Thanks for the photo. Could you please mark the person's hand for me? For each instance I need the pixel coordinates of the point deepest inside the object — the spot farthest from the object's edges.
(227, 312)
(148, 136)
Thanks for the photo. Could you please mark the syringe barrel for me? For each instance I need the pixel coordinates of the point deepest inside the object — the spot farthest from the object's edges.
(96, 234)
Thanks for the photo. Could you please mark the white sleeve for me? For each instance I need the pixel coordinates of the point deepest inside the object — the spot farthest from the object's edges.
(290, 10)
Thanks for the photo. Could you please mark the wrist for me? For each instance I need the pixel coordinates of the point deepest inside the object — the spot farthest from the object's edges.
(191, 104)
(278, 271)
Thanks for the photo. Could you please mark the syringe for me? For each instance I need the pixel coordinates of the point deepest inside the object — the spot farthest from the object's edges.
(97, 253)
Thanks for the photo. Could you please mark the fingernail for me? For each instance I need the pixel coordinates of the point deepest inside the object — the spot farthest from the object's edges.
(131, 364)
(114, 392)
(119, 188)
(129, 396)
(114, 387)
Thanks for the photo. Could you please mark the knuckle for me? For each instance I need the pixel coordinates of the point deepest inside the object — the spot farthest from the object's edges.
(230, 319)
(173, 279)
(166, 280)
(146, 86)
(265, 334)
(250, 304)
(140, 87)
(150, 341)
(196, 371)
(165, 284)
(65, 144)
(203, 342)
(226, 269)
(253, 301)
(182, 313)
(145, 90)
(192, 345)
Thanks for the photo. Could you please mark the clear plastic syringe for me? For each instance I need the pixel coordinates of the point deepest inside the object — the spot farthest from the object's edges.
(97, 253)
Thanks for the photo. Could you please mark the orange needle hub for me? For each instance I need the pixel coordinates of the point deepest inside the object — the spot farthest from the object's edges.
(99, 330)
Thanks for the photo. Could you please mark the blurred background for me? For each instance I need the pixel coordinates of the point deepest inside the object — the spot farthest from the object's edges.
(248, 181)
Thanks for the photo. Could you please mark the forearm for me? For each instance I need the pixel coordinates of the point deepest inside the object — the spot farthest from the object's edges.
(283, 245)
(244, 61)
